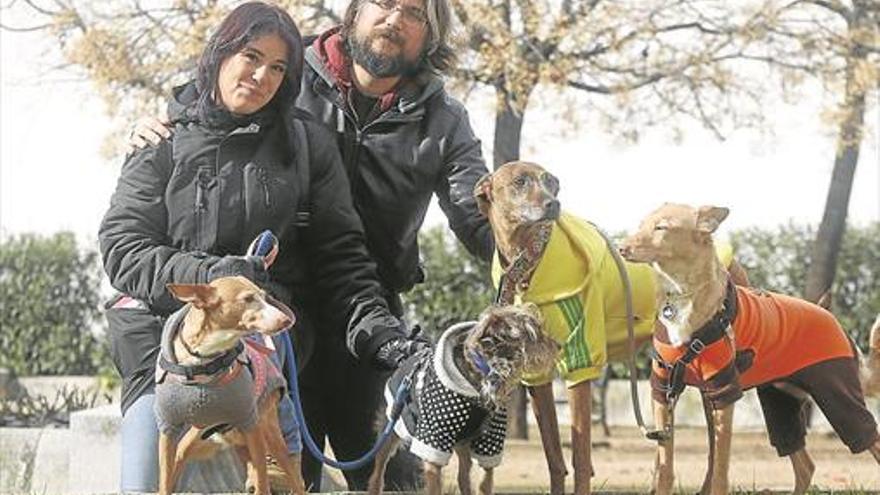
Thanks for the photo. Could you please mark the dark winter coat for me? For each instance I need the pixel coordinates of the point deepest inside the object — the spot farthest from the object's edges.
(423, 145)
(180, 206)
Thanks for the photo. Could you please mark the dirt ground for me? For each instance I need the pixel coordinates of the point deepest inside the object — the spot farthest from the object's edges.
(624, 461)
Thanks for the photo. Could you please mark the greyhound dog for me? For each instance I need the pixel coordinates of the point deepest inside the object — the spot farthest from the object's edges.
(564, 265)
(210, 377)
(726, 339)
(459, 393)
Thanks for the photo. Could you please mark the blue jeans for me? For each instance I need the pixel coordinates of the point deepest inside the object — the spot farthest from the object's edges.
(286, 417)
(140, 447)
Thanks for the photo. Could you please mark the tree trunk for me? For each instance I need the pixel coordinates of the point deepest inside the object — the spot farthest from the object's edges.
(508, 129)
(830, 235)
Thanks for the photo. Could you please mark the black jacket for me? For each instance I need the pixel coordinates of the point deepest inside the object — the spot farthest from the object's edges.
(171, 219)
(423, 145)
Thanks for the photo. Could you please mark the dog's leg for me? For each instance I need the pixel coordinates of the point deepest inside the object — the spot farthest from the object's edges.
(488, 483)
(580, 398)
(433, 479)
(257, 467)
(545, 413)
(276, 445)
(377, 477)
(803, 470)
(723, 419)
(875, 450)
(464, 470)
(710, 434)
(167, 454)
(603, 396)
(187, 444)
(664, 473)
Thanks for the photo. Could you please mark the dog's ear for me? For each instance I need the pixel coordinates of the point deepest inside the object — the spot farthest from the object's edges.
(201, 296)
(483, 193)
(710, 217)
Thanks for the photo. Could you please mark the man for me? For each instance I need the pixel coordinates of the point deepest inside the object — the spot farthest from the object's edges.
(375, 82)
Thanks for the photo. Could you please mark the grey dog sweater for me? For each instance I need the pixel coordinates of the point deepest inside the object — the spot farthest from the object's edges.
(235, 403)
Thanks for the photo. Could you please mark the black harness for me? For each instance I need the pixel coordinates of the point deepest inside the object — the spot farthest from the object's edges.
(219, 364)
(713, 331)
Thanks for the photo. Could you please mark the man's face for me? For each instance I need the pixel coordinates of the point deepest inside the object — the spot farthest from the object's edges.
(389, 36)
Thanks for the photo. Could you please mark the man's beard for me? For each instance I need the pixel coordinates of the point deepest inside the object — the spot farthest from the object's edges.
(379, 65)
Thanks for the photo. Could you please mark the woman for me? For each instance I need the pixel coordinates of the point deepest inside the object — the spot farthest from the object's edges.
(184, 211)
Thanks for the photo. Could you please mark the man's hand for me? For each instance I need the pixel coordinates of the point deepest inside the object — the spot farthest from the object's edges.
(395, 351)
(149, 130)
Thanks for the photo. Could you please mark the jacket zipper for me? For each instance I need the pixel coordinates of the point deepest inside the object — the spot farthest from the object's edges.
(263, 177)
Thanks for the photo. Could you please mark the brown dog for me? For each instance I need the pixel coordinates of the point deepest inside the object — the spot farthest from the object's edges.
(209, 375)
(457, 401)
(564, 265)
(871, 369)
(726, 339)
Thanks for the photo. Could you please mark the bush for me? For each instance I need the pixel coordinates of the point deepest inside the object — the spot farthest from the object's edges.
(457, 286)
(49, 291)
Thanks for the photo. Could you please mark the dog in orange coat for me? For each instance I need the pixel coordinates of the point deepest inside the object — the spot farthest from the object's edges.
(726, 339)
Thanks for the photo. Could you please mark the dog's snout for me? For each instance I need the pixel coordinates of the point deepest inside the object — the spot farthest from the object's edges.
(551, 209)
(625, 251)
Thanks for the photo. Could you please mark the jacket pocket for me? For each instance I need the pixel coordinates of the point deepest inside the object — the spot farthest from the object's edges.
(269, 198)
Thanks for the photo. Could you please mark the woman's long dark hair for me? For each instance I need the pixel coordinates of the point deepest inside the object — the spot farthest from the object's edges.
(245, 23)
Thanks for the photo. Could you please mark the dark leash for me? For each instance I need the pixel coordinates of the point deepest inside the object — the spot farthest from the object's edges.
(657, 435)
(262, 246)
(518, 274)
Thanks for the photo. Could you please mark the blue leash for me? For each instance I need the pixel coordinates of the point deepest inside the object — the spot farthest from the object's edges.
(264, 243)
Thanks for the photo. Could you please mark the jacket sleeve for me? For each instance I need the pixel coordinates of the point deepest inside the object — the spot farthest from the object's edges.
(341, 267)
(135, 247)
(463, 166)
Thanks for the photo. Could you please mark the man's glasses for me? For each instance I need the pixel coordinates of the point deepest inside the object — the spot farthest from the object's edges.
(411, 14)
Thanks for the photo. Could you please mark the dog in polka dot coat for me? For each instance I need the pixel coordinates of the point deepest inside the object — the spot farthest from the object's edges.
(459, 391)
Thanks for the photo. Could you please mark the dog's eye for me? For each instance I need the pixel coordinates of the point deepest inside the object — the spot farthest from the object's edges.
(661, 226)
(521, 181)
(248, 298)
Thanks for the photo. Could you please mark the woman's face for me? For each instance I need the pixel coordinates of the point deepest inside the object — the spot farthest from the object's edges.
(250, 78)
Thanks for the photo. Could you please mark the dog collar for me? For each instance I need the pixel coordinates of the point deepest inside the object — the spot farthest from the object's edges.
(480, 362)
(518, 274)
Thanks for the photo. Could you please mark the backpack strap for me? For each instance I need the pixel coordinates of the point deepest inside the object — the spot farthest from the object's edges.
(299, 143)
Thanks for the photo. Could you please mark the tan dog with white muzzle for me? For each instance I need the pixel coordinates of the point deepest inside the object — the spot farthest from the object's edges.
(726, 339)
(211, 377)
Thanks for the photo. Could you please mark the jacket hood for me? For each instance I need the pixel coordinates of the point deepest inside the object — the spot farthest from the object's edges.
(185, 107)
(326, 55)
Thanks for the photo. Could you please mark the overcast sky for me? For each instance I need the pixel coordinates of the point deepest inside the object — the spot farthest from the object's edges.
(52, 176)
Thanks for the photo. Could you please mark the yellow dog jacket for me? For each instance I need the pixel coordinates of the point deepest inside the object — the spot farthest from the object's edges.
(580, 293)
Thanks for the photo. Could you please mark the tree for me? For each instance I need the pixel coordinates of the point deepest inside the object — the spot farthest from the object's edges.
(837, 44)
(653, 61)
(49, 291)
